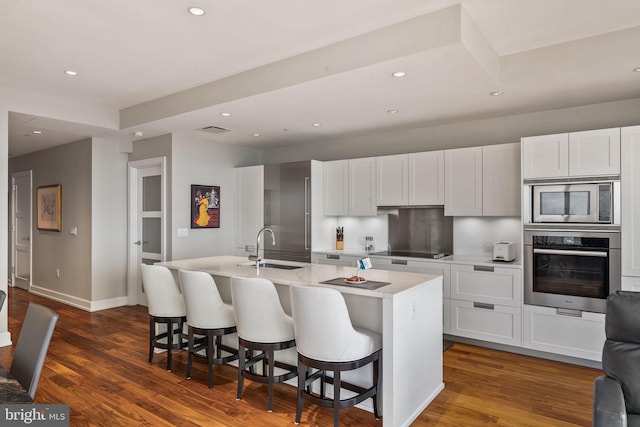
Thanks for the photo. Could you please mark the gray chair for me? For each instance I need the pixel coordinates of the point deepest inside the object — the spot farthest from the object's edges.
(616, 396)
(32, 347)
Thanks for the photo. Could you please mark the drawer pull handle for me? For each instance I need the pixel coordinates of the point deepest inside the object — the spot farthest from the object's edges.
(483, 268)
(483, 305)
(399, 261)
(330, 256)
(568, 312)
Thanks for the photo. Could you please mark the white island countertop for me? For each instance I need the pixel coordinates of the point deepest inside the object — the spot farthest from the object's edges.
(307, 274)
(407, 313)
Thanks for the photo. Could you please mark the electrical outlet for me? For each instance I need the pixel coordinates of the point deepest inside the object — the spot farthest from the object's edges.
(488, 247)
(413, 310)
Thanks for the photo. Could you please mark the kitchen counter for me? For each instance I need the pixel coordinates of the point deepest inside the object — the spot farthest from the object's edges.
(407, 312)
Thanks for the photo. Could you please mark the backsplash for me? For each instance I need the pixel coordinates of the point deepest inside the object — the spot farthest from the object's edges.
(357, 228)
(470, 234)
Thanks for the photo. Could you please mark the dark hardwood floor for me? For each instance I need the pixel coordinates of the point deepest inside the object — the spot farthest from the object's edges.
(97, 363)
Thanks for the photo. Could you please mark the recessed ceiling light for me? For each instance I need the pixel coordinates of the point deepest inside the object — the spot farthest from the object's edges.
(37, 132)
(392, 111)
(225, 114)
(256, 134)
(315, 125)
(399, 74)
(637, 69)
(71, 73)
(496, 93)
(197, 11)
(285, 130)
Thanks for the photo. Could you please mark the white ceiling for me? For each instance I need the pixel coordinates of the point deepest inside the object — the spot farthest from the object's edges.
(279, 66)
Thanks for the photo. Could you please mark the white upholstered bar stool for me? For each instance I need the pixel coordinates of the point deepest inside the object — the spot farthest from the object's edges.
(327, 341)
(208, 316)
(166, 306)
(263, 327)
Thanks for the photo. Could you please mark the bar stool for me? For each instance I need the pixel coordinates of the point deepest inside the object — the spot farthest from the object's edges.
(209, 317)
(166, 306)
(263, 326)
(327, 341)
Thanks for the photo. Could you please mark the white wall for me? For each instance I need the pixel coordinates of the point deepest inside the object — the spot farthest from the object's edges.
(357, 227)
(108, 223)
(471, 233)
(197, 159)
(5, 335)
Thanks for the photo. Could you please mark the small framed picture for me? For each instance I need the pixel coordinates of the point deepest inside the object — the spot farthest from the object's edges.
(49, 207)
(205, 206)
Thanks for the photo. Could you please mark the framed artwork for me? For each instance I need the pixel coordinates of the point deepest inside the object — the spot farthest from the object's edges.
(205, 206)
(49, 207)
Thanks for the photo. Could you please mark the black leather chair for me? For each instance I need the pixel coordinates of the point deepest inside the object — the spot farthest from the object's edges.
(616, 396)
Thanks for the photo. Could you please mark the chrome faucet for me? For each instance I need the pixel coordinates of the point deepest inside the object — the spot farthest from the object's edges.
(256, 257)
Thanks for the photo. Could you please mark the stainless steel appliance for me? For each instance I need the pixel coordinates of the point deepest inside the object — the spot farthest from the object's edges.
(504, 251)
(287, 210)
(571, 269)
(575, 202)
(422, 231)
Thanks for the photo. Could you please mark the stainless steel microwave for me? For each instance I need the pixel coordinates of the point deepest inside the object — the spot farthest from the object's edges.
(593, 203)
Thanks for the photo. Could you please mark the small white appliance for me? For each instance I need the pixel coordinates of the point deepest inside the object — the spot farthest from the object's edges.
(504, 251)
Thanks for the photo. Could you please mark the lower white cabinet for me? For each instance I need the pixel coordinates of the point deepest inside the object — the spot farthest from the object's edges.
(488, 322)
(486, 303)
(334, 259)
(548, 329)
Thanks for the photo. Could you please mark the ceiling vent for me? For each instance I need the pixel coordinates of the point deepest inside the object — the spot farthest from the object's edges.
(214, 129)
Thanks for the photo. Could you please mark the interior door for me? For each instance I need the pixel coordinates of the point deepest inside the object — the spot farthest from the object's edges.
(146, 221)
(21, 230)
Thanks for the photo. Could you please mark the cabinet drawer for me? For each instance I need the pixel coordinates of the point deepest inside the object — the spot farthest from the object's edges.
(334, 259)
(492, 285)
(547, 330)
(487, 322)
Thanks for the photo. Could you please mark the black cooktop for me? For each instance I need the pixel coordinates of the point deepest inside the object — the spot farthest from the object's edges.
(412, 254)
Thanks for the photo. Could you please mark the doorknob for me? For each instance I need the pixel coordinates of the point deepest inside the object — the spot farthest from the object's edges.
(137, 243)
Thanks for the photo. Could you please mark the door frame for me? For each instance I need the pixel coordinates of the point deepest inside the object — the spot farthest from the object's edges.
(29, 174)
(133, 233)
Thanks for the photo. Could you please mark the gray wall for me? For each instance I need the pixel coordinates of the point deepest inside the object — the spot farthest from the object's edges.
(70, 166)
(199, 160)
(499, 130)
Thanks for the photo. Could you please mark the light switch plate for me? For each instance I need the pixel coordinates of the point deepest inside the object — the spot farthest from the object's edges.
(183, 232)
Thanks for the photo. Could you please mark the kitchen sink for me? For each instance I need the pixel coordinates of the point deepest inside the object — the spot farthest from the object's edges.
(272, 265)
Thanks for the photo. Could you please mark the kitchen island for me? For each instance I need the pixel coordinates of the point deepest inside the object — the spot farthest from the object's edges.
(407, 312)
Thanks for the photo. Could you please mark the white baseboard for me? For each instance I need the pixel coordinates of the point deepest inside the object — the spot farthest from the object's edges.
(5, 339)
(80, 303)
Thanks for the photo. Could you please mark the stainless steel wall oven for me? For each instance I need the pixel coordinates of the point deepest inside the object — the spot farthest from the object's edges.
(571, 268)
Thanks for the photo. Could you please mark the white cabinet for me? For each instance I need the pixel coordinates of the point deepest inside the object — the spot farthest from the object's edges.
(349, 187)
(415, 179)
(630, 207)
(392, 180)
(594, 152)
(545, 156)
(463, 182)
(335, 190)
(486, 303)
(588, 153)
(501, 183)
(426, 178)
(334, 259)
(424, 267)
(249, 207)
(559, 331)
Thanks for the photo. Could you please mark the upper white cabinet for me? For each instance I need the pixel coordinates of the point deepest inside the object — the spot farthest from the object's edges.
(630, 205)
(250, 206)
(589, 153)
(595, 152)
(463, 182)
(350, 187)
(392, 180)
(501, 180)
(335, 176)
(410, 179)
(545, 156)
(426, 178)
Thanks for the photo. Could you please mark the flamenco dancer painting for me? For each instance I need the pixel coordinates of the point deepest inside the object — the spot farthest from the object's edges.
(205, 208)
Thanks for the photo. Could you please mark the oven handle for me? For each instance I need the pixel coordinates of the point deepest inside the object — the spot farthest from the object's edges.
(576, 253)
